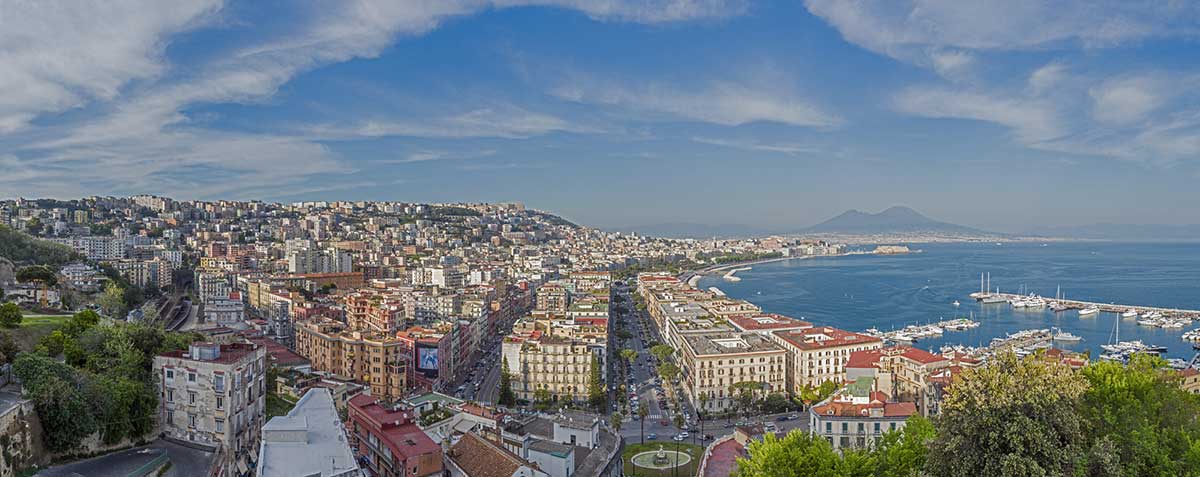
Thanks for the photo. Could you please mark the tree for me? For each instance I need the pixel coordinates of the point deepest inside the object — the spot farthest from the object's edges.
(81, 321)
(506, 398)
(616, 420)
(826, 389)
(745, 393)
(596, 394)
(629, 356)
(901, 453)
(10, 315)
(38, 273)
(542, 397)
(1144, 424)
(668, 371)
(54, 343)
(776, 403)
(662, 351)
(8, 348)
(1011, 417)
(112, 301)
(64, 413)
(642, 413)
(801, 453)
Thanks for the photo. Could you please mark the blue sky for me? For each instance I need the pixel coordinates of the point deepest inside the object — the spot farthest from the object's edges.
(1003, 115)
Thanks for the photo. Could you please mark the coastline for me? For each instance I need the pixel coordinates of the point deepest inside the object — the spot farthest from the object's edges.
(693, 278)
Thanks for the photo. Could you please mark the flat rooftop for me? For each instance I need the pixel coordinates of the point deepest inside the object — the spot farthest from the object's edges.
(309, 439)
(707, 344)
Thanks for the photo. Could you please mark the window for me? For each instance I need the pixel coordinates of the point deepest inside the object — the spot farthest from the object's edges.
(861, 428)
(845, 428)
(191, 377)
(170, 395)
(170, 374)
(219, 383)
(191, 397)
(829, 428)
(221, 405)
(191, 420)
(171, 416)
(220, 425)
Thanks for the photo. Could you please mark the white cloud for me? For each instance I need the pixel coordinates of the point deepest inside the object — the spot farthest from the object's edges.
(58, 55)
(644, 11)
(1031, 120)
(1127, 100)
(61, 55)
(790, 149)
(724, 103)
(951, 63)
(506, 122)
(891, 26)
(1046, 77)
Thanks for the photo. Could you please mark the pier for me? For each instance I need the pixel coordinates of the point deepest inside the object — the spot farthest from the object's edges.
(1104, 307)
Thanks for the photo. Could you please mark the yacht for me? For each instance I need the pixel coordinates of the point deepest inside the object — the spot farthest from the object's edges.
(1091, 310)
(956, 303)
(1056, 306)
(1018, 303)
(1131, 313)
(1066, 336)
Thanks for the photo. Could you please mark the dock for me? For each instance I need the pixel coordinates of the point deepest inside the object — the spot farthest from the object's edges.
(1104, 307)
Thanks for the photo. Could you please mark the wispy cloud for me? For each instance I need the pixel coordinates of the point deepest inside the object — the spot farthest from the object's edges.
(725, 103)
(137, 134)
(508, 122)
(791, 149)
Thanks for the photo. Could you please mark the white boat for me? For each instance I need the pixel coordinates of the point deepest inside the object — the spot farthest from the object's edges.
(1066, 336)
(956, 303)
(993, 299)
(1091, 310)
(1018, 303)
(1131, 313)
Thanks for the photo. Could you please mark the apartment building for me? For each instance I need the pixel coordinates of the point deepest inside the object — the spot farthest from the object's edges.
(857, 416)
(376, 360)
(388, 442)
(816, 355)
(713, 362)
(213, 396)
(903, 372)
(539, 360)
(143, 273)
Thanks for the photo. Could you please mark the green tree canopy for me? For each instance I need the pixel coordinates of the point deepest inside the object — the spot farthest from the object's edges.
(1011, 417)
(10, 315)
(662, 351)
(596, 394)
(1141, 418)
(506, 398)
(800, 453)
(902, 453)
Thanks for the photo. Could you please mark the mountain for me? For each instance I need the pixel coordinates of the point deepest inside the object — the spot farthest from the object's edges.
(897, 219)
(693, 230)
(1131, 232)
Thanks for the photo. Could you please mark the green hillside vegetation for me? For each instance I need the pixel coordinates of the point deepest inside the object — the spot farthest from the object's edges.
(22, 248)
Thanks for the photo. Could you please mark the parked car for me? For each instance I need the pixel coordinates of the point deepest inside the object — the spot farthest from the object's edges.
(782, 418)
(664, 422)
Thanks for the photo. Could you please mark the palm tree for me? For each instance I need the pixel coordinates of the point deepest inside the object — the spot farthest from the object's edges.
(642, 413)
(700, 412)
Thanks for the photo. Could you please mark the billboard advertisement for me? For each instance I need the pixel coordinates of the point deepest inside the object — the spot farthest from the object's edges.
(427, 359)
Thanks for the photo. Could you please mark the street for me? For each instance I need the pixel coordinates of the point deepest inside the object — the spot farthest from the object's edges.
(644, 373)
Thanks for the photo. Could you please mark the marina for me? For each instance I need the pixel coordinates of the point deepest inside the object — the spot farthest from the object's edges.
(1087, 307)
(912, 333)
(890, 292)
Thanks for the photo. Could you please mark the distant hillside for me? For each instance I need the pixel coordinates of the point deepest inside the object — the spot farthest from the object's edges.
(693, 230)
(24, 249)
(893, 220)
(1131, 232)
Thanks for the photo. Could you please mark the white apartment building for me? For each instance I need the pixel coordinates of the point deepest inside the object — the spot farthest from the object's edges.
(213, 396)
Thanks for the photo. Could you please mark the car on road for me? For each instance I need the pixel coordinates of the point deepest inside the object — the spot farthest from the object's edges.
(685, 434)
(652, 436)
(664, 422)
(678, 438)
(782, 418)
(794, 417)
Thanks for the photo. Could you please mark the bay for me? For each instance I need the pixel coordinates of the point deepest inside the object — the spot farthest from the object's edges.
(891, 291)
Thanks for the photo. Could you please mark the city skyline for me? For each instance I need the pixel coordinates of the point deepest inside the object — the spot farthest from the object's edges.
(766, 114)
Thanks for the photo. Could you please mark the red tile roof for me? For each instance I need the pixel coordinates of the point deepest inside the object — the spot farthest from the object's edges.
(824, 337)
